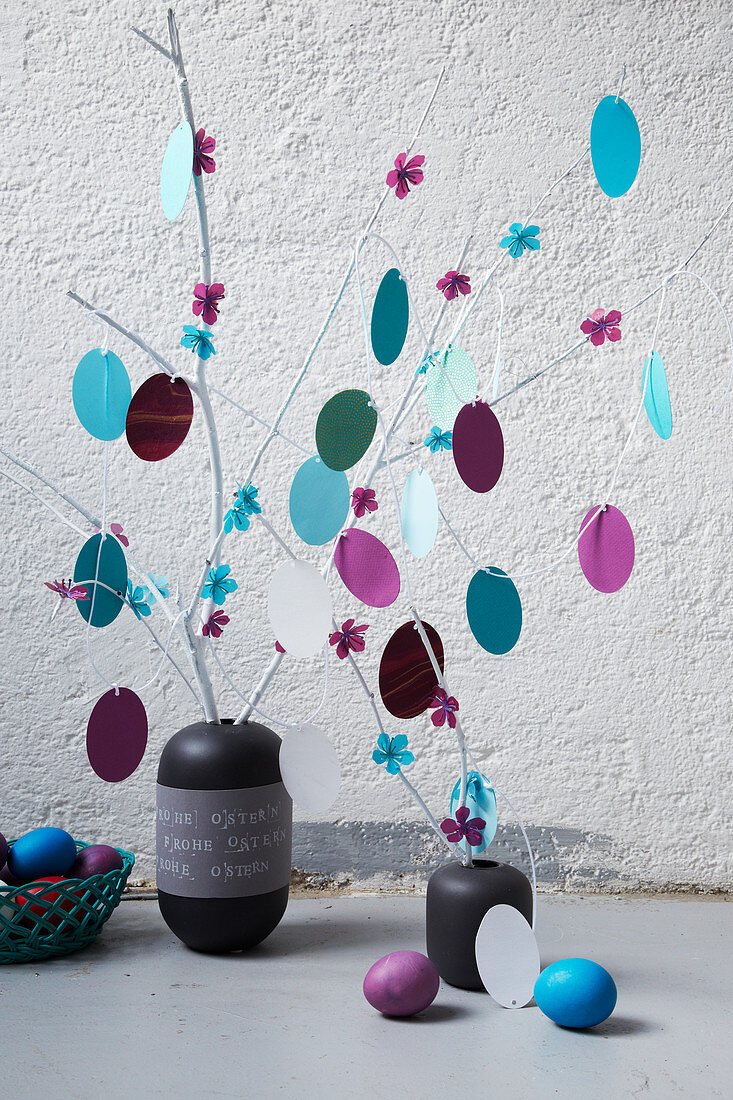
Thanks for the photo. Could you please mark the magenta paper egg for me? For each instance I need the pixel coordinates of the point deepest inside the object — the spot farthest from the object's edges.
(478, 447)
(367, 568)
(606, 549)
(402, 983)
(117, 734)
(95, 859)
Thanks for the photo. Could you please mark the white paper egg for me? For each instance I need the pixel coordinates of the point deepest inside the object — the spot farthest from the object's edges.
(310, 768)
(299, 608)
(507, 956)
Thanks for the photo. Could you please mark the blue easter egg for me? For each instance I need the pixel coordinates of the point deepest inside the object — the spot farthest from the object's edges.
(101, 393)
(419, 513)
(494, 610)
(575, 993)
(390, 317)
(656, 396)
(175, 172)
(615, 146)
(319, 502)
(107, 566)
(481, 802)
(42, 852)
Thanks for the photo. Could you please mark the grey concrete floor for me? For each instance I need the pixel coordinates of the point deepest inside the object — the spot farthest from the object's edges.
(137, 1014)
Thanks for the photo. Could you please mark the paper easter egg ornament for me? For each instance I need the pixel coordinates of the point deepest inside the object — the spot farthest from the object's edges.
(615, 146)
(310, 768)
(367, 568)
(101, 568)
(117, 735)
(478, 447)
(176, 170)
(345, 429)
(494, 610)
(606, 549)
(299, 608)
(656, 396)
(390, 318)
(159, 417)
(319, 502)
(101, 394)
(419, 513)
(450, 381)
(406, 675)
(507, 956)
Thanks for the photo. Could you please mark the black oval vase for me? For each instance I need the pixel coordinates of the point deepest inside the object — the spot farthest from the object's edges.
(457, 900)
(224, 835)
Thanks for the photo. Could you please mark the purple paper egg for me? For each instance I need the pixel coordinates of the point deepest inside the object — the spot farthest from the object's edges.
(367, 568)
(401, 984)
(478, 447)
(3, 850)
(97, 859)
(606, 549)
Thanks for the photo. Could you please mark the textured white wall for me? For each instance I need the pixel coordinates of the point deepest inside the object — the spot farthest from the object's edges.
(610, 717)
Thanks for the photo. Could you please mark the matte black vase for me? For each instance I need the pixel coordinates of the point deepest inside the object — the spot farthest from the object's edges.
(224, 835)
(457, 900)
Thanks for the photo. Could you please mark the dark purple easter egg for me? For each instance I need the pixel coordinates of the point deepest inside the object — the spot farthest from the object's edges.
(478, 447)
(159, 417)
(7, 876)
(406, 675)
(97, 859)
(402, 983)
(3, 850)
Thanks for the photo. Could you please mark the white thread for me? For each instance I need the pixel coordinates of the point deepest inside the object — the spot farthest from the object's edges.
(97, 316)
(623, 77)
(694, 275)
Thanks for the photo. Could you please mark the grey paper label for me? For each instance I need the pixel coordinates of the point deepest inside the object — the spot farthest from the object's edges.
(223, 844)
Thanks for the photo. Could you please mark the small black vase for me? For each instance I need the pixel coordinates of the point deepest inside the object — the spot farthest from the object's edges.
(224, 835)
(457, 900)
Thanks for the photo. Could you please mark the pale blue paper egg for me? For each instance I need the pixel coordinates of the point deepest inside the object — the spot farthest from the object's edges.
(419, 511)
(319, 502)
(575, 993)
(175, 172)
(450, 382)
(101, 393)
(656, 396)
(481, 802)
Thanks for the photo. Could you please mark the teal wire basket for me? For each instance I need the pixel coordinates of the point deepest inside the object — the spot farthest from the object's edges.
(45, 921)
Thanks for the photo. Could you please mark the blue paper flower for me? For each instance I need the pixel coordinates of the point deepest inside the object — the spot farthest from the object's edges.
(138, 598)
(162, 584)
(392, 752)
(427, 362)
(521, 237)
(438, 440)
(218, 584)
(245, 505)
(198, 340)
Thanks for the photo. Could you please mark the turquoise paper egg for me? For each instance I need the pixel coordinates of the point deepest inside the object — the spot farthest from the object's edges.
(494, 610)
(390, 317)
(615, 146)
(656, 397)
(319, 502)
(41, 852)
(575, 993)
(101, 393)
(111, 572)
(481, 802)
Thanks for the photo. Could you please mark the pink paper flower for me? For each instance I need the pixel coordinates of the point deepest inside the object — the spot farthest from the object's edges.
(215, 625)
(462, 827)
(206, 304)
(117, 529)
(452, 284)
(601, 328)
(445, 707)
(363, 501)
(67, 590)
(404, 174)
(202, 146)
(279, 648)
(348, 637)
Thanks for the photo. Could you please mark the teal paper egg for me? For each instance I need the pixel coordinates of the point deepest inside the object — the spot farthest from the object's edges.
(481, 802)
(390, 317)
(175, 172)
(108, 566)
(494, 610)
(319, 502)
(575, 993)
(419, 513)
(41, 852)
(615, 146)
(656, 396)
(101, 393)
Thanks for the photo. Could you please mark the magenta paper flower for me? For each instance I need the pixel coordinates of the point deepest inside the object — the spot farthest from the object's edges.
(404, 174)
(601, 328)
(215, 625)
(445, 706)
(462, 827)
(279, 648)
(206, 304)
(202, 146)
(452, 284)
(348, 637)
(363, 501)
(67, 590)
(117, 529)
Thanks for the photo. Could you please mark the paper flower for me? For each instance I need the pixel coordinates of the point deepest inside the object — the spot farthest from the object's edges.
(215, 624)
(138, 598)
(452, 284)
(521, 237)
(116, 529)
(206, 301)
(279, 648)
(218, 584)
(162, 584)
(363, 501)
(438, 440)
(202, 146)
(392, 752)
(404, 174)
(348, 637)
(195, 339)
(463, 827)
(445, 707)
(245, 505)
(67, 590)
(601, 328)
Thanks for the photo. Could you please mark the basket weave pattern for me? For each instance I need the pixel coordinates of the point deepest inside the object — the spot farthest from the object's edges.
(58, 918)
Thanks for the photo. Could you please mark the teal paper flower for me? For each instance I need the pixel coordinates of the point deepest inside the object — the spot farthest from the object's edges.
(392, 752)
(139, 599)
(521, 237)
(426, 363)
(162, 584)
(218, 584)
(198, 340)
(246, 505)
(438, 440)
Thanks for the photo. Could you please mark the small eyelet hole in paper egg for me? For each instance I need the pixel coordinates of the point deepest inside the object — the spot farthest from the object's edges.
(419, 513)
(606, 549)
(101, 393)
(367, 568)
(478, 447)
(345, 428)
(176, 171)
(451, 370)
(656, 396)
(299, 608)
(310, 768)
(406, 675)
(615, 146)
(507, 956)
(117, 735)
(159, 417)
(319, 502)
(390, 318)
(494, 610)
(107, 566)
